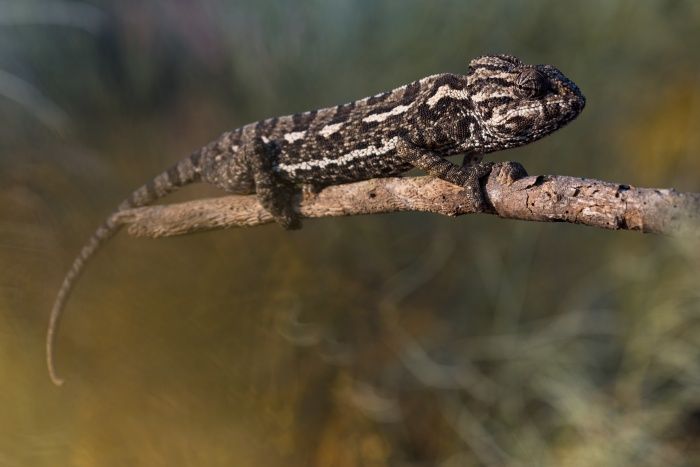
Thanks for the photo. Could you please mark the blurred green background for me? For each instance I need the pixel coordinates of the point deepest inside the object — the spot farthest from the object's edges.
(394, 340)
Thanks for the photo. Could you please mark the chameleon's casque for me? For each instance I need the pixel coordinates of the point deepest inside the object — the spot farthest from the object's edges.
(498, 104)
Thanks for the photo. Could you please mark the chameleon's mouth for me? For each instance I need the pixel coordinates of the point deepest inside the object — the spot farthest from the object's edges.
(535, 118)
(566, 108)
(579, 102)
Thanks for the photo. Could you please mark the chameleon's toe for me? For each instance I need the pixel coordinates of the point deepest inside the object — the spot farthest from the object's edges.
(509, 172)
(288, 221)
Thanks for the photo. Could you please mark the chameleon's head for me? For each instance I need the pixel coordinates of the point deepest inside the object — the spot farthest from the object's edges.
(517, 103)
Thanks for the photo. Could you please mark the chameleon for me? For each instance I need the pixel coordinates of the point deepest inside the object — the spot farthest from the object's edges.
(499, 103)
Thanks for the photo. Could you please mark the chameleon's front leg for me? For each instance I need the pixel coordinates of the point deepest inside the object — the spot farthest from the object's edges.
(468, 176)
(275, 195)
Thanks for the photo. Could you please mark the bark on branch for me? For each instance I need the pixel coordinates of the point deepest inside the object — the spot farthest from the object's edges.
(511, 193)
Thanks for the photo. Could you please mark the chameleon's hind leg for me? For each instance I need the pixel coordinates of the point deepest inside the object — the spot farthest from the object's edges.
(276, 195)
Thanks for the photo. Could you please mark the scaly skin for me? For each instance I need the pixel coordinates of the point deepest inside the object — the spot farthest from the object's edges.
(499, 103)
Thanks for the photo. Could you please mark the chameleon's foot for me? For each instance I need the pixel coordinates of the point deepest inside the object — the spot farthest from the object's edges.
(288, 222)
(288, 219)
(509, 171)
(279, 200)
(475, 190)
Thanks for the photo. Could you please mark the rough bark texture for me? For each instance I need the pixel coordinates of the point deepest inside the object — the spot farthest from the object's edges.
(511, 193)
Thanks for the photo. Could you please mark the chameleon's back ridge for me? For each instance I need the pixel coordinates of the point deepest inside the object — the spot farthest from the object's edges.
(499, 103)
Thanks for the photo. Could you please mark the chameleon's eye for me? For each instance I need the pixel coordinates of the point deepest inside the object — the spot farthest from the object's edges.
(531, 83)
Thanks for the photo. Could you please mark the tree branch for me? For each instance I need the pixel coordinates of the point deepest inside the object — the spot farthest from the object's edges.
(511, 193)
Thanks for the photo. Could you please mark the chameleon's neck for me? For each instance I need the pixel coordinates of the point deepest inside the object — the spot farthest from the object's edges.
(443, 118)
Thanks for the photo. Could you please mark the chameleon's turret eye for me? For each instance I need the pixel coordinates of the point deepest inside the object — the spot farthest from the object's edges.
(532, 83)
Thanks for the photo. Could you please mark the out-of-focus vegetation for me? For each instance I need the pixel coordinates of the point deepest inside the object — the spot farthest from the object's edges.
(386, 340)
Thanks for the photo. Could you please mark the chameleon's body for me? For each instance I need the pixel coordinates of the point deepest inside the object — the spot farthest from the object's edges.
(499, 104)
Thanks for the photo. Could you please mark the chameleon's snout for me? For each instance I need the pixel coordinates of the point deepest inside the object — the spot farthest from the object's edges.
(564, 89)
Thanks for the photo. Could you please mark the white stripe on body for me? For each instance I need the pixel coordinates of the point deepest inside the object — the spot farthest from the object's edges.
(398, 110)
(328, 130)
(342, 160)
(294, 136)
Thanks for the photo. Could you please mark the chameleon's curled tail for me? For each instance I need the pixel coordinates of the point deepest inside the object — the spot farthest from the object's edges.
(184, 172)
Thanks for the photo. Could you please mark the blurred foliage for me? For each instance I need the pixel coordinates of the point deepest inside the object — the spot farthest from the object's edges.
(383, 340)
